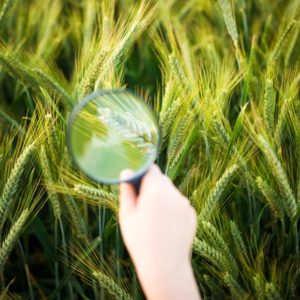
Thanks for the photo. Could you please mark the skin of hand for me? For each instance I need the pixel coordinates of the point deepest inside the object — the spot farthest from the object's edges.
(158, 227)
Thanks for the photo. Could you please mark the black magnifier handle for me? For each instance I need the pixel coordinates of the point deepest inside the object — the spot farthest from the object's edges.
(136, 183)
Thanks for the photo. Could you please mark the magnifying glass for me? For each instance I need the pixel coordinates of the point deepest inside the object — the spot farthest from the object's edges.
(112, 130)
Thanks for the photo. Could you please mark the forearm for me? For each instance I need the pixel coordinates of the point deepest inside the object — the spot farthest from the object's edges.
(174, 283)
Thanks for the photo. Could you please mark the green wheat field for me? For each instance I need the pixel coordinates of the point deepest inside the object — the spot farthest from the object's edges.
(223, 79)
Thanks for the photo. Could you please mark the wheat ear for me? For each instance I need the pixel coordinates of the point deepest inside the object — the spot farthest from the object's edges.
(111, 286)
(281, 42)
(271, 292)
(216, 193)
(174, 166)
(91, 74)
(13, 181)
(271, 197)
(95, 193)
(167, 118)
(259, 286)
(14, 232)
(229, 21)
(18, 70)
(238, 240)
(49, 180)
(269, 104)
(178, 138)
(235, 288)
(178, 71)
(218, 242)
(291, 45)
(282, 119)
(281, 178)
(77, 222)
(53, 86)
(210, 253)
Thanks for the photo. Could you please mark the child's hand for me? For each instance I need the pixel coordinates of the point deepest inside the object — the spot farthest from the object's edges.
(158, 227)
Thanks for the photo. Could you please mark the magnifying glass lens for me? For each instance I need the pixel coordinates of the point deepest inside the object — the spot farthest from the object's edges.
(113, 131)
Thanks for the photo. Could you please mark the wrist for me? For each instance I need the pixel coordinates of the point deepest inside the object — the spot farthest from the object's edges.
(164, 281)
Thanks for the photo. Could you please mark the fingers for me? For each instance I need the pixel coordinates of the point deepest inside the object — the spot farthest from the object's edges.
(127, 196)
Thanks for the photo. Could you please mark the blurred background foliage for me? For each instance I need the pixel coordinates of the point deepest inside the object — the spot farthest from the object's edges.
(223, 79)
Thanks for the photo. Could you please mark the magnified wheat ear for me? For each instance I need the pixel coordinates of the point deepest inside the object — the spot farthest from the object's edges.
(133, 130)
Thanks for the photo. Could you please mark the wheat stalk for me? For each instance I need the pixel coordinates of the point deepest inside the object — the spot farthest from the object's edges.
(11, 238)
(13, 182)
(6, 6)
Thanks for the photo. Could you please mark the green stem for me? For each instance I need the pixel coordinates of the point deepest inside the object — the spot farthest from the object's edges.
(26, 267)
(56, 270)
(64, 244)
(118, 254)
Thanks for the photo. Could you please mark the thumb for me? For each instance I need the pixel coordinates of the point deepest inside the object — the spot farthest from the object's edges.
(127, 195)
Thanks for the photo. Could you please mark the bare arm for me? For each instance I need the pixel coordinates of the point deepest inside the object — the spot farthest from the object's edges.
(158, 228)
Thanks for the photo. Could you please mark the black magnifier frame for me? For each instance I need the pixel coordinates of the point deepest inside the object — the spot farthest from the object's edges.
(136, 179)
